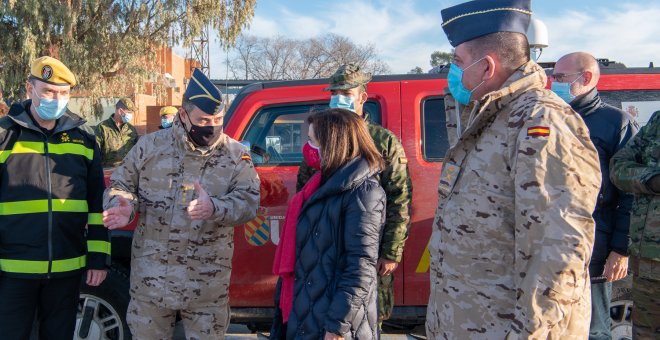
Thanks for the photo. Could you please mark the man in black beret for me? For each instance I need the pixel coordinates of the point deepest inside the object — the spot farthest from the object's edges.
(192, 185)
(513, 231)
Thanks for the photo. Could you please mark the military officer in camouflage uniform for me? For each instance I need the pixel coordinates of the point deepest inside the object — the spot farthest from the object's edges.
(116, 135)
(348, 86)
(191, 184)
(636, 168)
(513, 232)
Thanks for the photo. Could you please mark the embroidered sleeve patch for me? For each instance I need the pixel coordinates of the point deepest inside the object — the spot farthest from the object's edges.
(538, 131)
(246, 157)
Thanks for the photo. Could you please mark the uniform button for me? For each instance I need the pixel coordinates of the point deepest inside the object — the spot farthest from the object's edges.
(309, 283)
(316, 234)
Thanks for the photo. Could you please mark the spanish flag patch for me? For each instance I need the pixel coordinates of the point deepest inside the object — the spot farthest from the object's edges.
(538, 131)
(246, 157)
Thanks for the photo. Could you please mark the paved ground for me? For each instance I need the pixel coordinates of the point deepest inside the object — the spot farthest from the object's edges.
(240, 332)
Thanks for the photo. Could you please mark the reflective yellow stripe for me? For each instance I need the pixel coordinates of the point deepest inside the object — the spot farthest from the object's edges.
(71, 148)
(95, 218)
(98, 247)
(57, 149)
(41, 206)
(41, 267)
(4, 154)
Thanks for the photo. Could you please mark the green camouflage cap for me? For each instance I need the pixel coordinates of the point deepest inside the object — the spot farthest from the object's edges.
(126, 103)
(347, 77)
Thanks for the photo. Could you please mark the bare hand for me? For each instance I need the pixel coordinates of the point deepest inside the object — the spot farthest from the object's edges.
(202, 207)
(386, 267)
(96, 276)
(119, 216)
(332, 336)
(616, 267)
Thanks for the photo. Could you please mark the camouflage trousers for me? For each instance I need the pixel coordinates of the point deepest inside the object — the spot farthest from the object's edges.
(385, 297)
(646, 313)
(149, 321)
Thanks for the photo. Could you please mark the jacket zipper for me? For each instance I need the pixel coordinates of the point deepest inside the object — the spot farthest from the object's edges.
(50, 210)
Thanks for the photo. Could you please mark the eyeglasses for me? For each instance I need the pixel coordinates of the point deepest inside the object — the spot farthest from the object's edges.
(562, 77)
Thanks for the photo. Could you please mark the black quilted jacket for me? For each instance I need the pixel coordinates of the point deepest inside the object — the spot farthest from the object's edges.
(337, 238)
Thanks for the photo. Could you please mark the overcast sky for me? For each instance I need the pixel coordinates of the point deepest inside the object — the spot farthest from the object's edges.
(406, 32)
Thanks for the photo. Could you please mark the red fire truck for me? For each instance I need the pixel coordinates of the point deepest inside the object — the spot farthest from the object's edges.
(270, 117)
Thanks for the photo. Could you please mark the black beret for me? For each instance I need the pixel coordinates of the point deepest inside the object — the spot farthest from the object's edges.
(477, 18)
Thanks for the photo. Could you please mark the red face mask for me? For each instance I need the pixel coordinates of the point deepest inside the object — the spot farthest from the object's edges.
(312, 155)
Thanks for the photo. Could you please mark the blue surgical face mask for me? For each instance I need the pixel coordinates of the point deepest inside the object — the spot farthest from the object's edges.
(51, 109)
(127, 117)
(455, 82)
(563, 90)
(165, 123)
(339, 101)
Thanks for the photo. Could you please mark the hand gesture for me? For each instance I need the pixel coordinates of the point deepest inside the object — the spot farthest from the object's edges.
(202, 207)
(119, 216)
(386, 267)
(95, 277)
(616, 267)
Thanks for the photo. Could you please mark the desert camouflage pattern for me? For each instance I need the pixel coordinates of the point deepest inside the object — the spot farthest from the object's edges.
(149, 321)
(513, 232)
(178, 263)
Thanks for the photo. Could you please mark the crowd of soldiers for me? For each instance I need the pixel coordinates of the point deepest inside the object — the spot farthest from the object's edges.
(545, 198)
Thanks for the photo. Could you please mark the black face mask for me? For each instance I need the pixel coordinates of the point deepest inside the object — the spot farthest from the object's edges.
(203, 135)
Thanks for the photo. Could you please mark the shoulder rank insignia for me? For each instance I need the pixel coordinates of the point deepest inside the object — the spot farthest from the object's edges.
(246, 157)
(542, 131)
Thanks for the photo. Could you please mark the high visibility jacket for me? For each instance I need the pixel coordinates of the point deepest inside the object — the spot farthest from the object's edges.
(51, 188)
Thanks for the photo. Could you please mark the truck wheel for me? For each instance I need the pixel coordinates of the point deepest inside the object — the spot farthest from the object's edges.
(102, 309)
(621, 309)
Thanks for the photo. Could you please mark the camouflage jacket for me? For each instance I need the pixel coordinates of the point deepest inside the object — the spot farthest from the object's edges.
(513, 232)
(114, 142)
(395, 179)
(176, 261)
(631, 168)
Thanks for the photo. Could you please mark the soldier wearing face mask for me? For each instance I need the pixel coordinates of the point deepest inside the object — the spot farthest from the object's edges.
(51, 199)
(116, 135)
(192, 185)
(348, 88)
(513, 231)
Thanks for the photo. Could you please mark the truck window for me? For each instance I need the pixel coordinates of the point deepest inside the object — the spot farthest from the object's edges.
(277, 134)
(434, 131)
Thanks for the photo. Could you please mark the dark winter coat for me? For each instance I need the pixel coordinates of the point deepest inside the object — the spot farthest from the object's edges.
(610, 129)
(337, 238)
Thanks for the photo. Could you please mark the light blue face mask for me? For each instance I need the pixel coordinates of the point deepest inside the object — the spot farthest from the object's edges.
(455, 82)
(165, 123)
(127, 117)
(51, 109)
(563, 90)
(339, 101)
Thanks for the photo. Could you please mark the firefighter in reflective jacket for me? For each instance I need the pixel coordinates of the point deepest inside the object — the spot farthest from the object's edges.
(51, 187)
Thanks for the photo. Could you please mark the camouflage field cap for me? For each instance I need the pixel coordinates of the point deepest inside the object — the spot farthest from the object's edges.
(347, 77)
(126, 104)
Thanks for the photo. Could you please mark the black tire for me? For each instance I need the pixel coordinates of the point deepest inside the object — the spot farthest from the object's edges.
(108, 304)
(621, 308)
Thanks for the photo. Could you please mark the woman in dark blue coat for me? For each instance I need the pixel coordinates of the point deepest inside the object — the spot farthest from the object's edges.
(338, 234)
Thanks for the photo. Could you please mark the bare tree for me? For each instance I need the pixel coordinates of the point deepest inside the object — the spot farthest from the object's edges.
(283, 59)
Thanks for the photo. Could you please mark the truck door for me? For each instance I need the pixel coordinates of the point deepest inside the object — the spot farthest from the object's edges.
(273, 123)
(424, 138)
